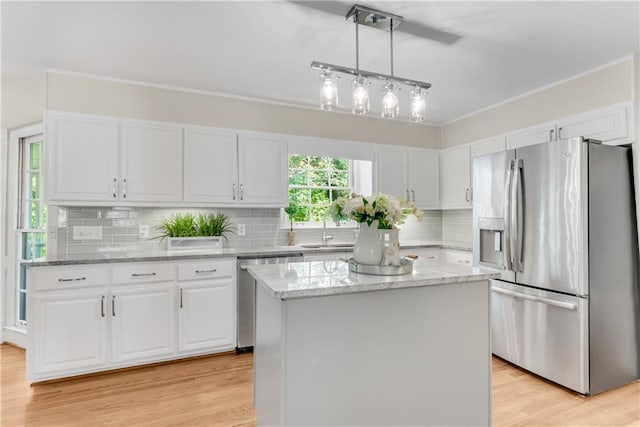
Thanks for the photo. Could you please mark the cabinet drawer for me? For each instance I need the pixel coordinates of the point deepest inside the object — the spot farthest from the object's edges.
(144, 272)
(67, 277)
(214, 268)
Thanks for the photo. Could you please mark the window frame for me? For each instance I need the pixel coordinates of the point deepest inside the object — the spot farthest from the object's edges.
(13, 331)
(319, 224)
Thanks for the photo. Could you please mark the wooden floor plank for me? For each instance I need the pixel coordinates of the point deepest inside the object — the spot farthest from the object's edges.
(217, 391)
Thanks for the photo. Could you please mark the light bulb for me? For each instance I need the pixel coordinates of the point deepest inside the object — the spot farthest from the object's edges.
(390, 105)
(417, 105)
(359, 96)
(328, 91)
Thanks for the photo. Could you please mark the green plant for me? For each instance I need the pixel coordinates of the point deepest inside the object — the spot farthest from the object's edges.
(178, 225)
(214, 224)
(188, 225)
(292, 210)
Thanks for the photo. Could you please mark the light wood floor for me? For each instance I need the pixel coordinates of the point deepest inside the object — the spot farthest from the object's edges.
(217, 390)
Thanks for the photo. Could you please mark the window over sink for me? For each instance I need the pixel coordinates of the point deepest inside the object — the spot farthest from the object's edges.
(317, 181)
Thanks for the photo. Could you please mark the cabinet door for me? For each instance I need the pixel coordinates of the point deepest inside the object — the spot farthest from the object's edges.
(262, 166)
(391, 173)
(455, 187)
(82, 158)
(609, 125)
(534, 135)
(143, 321)
(207, 316)
(488, 146)
(67, 333)
(210, 166)
(151, 162)
(424, 178)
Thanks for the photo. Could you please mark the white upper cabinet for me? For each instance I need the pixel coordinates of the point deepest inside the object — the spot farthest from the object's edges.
(391, 173)
(455, 178)
(609, 125)
(488, 146)
(262, 170)
(424, 177)
(408, 174)
(210, 166)
(82, 158)
(151, 162)
(534, 135)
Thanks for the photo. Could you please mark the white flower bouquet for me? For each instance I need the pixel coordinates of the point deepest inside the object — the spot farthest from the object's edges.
(388, 210)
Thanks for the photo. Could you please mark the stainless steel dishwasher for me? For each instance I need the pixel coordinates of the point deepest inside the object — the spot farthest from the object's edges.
(247, 295)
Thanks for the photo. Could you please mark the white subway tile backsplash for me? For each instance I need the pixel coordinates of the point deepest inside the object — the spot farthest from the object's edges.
(264, 228)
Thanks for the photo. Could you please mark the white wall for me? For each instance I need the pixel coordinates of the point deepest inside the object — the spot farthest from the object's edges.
(108, 97)
(605, 86)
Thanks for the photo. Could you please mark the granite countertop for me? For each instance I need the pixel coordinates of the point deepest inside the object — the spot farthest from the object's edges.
(322, 278)
(163, 255)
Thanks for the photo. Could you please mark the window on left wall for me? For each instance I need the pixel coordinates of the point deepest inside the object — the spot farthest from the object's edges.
(32, 215)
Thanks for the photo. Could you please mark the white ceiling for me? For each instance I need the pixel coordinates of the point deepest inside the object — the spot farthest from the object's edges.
(263, 49)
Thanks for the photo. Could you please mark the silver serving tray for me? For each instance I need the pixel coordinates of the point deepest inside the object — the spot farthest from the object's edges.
(405, 267)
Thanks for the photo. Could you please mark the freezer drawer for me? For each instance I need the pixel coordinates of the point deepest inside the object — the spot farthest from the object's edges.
(543, 332)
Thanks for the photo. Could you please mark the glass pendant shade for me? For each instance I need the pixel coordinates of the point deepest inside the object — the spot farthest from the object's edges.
(390, 106)
(328, 91)
(359, 96)
(417, 105)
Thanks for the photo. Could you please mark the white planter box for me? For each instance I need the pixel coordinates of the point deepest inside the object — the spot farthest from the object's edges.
(182, 243)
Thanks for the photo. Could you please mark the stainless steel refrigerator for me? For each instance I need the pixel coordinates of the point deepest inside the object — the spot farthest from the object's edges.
(558, 220)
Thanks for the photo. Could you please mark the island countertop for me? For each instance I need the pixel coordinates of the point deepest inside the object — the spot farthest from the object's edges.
(322, 278)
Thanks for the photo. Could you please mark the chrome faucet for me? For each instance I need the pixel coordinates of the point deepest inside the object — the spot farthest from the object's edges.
(325, 236)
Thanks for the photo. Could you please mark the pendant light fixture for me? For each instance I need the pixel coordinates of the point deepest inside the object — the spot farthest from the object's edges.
(359, 88)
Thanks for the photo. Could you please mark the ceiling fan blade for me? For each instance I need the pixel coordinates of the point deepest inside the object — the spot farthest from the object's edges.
(408, 27)
(333, 7)
(423, 31)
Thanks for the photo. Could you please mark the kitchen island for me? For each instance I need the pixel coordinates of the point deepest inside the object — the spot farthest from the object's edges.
(338, 348)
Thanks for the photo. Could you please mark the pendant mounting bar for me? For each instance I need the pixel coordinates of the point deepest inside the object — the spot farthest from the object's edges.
(374, 18)
(368, 74)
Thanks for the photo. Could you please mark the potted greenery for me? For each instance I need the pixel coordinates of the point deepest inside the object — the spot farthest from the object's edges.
(189, 231)
(292, 210)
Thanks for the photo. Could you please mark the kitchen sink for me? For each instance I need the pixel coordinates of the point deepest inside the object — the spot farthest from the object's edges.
(331, 245)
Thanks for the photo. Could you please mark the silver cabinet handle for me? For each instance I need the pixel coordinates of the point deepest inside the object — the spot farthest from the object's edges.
(206, 271)
(466, 195)
(560, 304)
(114, 190)
(551, 135)
(142, 274)
(233, 190)
(413, 195)
(241, 191)
(180, 297)
(124, 188)
(75, 279)
(102, 305)
(113, 305)
(507, 217)
(559, 133)
(406, 191)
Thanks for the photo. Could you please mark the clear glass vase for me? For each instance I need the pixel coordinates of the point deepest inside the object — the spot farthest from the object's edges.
(368, 248)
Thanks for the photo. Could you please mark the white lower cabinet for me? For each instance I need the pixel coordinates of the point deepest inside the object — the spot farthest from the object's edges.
(67, 332)
(207, 305)
(142, 322)
(93, 318)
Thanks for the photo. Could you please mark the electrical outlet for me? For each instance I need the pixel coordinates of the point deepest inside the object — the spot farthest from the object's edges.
(87, 233)
(242, 230)
(143, 231)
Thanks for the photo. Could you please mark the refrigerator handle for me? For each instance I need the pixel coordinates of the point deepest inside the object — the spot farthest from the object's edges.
(559, 304)
(507, 218)
(519, 214)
